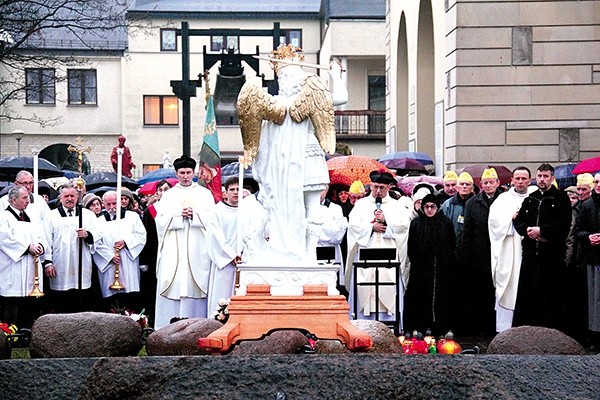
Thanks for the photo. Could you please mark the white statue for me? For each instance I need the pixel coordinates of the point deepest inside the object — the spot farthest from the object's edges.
(167, 160)
(289, 160)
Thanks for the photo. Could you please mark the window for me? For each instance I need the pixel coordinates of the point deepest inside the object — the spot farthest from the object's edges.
(220, 43)
(377, 103)
(161, 110)
(40, 83)
(168, 40)
(83, 88)
(291, 36)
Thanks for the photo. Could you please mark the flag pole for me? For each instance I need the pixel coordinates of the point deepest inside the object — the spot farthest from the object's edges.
(36, 174)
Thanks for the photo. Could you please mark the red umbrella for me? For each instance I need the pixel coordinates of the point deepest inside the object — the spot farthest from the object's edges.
(150, 187)
(476, 170)
(347, 169)
(590, 165)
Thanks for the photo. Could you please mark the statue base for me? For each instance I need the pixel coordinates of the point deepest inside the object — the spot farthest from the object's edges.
(258, 313)
(287, 280)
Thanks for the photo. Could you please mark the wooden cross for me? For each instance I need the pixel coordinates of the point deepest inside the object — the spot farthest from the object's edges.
(79, 149)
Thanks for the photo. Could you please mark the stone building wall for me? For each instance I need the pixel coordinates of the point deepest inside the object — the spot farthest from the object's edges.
(523, 82)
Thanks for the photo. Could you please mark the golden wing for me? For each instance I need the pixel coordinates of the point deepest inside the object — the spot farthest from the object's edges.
(315, 102)
(253, 106)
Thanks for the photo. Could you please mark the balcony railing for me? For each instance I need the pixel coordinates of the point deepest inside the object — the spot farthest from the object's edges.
(359, 122)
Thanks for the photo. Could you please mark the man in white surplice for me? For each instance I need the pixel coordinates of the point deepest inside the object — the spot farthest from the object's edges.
(189, 239)
(37, 209)
(333, 230)
(222, 278)
(62, 258)
(372, 225)
(128, 236)
(21, 239)
(506, 246)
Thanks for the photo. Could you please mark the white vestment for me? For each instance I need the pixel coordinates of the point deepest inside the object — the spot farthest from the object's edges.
(186, 248)
(16, 263)
(505, 255)
(360, 235)
(333, 230)
(131, 230)
(64, 250)
(222, 279)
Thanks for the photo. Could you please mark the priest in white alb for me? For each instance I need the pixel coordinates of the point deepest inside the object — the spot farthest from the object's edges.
(189, 240)
(378, 221)
(128, 236)
(506, 251)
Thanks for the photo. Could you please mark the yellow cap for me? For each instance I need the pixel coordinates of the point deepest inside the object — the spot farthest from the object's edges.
(585, 179)
(489, 173)
(450, 176)
(465, 177)
(357, 187)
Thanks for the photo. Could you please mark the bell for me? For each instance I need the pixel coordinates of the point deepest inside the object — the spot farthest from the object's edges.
(227, 90)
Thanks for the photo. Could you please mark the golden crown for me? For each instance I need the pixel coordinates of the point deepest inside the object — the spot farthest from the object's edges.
(288, 52)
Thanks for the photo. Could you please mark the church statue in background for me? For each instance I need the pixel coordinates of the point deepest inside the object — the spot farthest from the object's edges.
(128, 164)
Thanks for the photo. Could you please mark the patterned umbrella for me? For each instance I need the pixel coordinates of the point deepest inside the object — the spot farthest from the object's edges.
(347, 169)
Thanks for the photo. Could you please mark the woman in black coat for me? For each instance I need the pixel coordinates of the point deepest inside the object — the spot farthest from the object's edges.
(428, 301)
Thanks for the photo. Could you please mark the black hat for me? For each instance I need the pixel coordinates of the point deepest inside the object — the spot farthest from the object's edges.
(430, 198)
(184, 162)
(382, 176)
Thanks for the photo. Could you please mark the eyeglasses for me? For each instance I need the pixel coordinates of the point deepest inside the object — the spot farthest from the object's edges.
(430, 206)
(25, 183)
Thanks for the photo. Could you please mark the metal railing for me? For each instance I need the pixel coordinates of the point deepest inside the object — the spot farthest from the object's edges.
(359, 122)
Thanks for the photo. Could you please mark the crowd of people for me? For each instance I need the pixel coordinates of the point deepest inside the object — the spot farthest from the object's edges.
(479, 260)
(163, 255)
(474, 260)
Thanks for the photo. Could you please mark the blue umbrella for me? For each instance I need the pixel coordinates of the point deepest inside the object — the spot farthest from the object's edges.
(232, 169)
(401, 156)
(157, 175)
(564, 175)
(70, 174)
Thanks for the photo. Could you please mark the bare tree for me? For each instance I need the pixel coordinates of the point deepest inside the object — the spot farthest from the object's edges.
(55, 34)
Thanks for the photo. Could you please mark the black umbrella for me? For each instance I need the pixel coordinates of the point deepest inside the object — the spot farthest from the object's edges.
(99, 179)
(10, 167)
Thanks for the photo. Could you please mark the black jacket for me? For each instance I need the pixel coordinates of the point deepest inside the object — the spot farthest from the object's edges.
(551, 211)
(586, 223)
